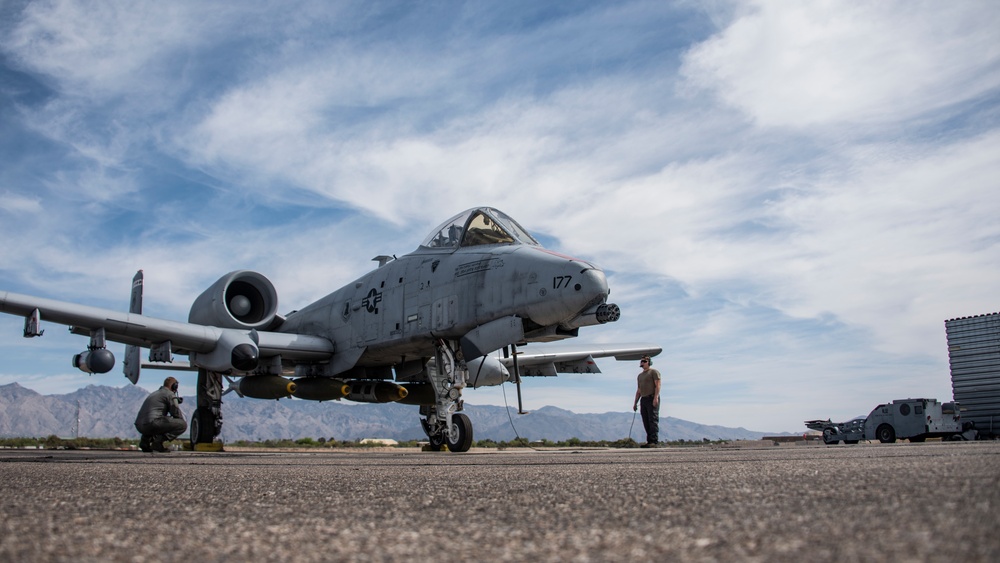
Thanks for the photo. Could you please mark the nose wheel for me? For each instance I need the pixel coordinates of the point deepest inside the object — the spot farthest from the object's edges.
(457, 436)
(460, 433)
(442, 422)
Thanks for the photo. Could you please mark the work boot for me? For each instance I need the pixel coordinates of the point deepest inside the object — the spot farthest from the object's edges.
(158, 445)
(146, 443)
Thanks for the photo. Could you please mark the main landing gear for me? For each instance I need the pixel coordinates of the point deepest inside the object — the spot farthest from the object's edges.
(206, 422)
(442, 422)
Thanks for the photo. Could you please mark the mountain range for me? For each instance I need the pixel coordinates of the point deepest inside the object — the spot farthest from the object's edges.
(99, 411)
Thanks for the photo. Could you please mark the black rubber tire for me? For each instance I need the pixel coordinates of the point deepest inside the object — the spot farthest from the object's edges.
(436, 443)
(202, 427)
(885, 434)
(463, 441)
(194, 428)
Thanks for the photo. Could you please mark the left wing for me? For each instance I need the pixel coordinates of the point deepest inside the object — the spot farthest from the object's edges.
(575, 359)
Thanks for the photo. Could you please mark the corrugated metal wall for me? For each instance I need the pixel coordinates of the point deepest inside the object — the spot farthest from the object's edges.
(974, 354)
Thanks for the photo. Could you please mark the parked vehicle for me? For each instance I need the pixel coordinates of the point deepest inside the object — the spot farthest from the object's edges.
(912, 419)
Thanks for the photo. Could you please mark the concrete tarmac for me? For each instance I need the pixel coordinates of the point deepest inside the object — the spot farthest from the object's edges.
(870, 502)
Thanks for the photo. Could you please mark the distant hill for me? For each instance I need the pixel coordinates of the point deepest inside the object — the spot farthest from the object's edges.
(107, 412)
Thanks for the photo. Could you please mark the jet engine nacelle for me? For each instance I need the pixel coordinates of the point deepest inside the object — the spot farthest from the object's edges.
(235, 351)
(242, 299)
(100, 360)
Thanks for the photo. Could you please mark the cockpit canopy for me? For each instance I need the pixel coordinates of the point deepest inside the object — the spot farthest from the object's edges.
(478, 226)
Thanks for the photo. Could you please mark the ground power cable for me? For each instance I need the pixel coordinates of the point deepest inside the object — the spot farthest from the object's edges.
(510, 418)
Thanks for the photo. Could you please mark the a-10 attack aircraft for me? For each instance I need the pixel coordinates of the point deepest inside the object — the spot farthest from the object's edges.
(418, 329)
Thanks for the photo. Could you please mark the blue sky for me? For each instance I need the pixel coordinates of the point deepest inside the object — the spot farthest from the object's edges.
(789, 197)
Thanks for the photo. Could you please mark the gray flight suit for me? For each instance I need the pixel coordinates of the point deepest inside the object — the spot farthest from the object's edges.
(153, 421)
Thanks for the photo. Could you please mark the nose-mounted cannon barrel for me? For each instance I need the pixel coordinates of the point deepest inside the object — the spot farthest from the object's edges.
(608, 313)
(601, 314)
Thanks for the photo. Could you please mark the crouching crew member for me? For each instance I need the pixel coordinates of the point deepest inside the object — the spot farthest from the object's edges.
(160, 419)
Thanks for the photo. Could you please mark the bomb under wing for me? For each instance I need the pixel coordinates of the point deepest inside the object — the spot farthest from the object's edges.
(376, 391)
(419, 394)
(321, 389)
(265, 387)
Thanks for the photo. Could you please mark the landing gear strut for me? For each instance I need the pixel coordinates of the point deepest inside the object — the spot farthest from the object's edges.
(443, 422)
(206, 422)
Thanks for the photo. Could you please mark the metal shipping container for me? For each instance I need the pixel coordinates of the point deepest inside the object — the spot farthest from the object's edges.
(974, 355)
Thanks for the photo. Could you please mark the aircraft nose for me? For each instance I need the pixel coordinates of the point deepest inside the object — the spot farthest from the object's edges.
(595, 310)
(592, 288)
(576, 286)
(592, 282)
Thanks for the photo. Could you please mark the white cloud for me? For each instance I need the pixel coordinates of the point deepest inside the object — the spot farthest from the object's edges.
(801, 64)
(107, 50)
(797, 233)
(890, 240)
(16, 203)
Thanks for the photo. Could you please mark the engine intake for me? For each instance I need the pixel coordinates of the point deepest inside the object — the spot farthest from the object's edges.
(242, 299)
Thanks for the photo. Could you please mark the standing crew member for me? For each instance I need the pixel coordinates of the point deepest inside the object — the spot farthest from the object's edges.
(647, 395)
(160, 419)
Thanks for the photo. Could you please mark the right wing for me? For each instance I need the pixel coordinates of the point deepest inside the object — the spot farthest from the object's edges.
(149, 332)
(542, 361)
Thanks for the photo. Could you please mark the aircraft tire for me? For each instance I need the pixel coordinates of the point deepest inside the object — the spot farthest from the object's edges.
(886, 434)
(436, 443)
(202, 426)
(462, 430)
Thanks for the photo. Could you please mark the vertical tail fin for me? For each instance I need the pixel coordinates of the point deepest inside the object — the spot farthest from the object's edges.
(132, 362)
